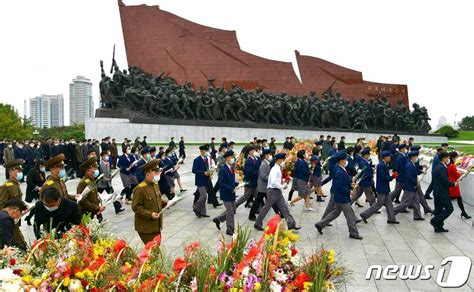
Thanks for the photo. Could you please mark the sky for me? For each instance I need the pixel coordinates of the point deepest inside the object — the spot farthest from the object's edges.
(427, 45)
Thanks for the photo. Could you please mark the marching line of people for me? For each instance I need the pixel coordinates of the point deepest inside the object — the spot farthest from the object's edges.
(148, 173)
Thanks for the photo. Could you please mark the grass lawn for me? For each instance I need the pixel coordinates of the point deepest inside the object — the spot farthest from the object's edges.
(465, 136)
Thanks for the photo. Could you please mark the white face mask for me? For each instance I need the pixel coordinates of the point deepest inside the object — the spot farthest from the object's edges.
(129, 151)
(346, 164)
(32, 145)
(51, 209)
(156, 178)
(282, 165)
(232, 160)
(270, 158)
(106, 158)
(42, 169)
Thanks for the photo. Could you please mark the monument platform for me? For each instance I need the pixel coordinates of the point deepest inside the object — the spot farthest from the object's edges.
(161, 130)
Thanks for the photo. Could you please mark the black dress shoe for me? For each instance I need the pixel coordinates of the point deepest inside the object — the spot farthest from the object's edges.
(329, 225)
(205, 216)
(356, 237)
(197, 214)
(429, 212)
(378, 212)
(229, 233)
(360, 220)
(405, 211)
(217, 222)
(393, 222)
(462, 215)
(319, 228)
(252, 218)
(363, 219)
(217, 205)
(318, 199)
(311, 198)
(428, 198)
(119, 211)
(397, 201)
(443, 230)
(294, 228)
(258, 227)
(418, 219)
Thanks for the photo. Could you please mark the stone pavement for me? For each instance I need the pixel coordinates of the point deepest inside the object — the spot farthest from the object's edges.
(411, 242)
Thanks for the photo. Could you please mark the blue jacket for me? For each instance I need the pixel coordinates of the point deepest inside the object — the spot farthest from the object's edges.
(332, 161)
(124, 163)
(419, 167)
(168, 163)
(199, 167)
(317, 166)
(411, 177)
(341, 186)
(400, 164)
(138, 173)
(383, 179)
(302, 170)
(351, 170)
(357, 159)
(367, 173)
(251, 171)
(435, 164)
(227, 184)
(441, 183)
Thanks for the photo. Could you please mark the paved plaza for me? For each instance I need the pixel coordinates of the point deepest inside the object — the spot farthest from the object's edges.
(410, 242)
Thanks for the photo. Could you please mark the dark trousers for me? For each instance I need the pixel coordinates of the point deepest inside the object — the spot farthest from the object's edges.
(429, 190)
(327, 179)
(182, 153)
(443, 208)
(114, 162)
(211, 195)
(259, 202)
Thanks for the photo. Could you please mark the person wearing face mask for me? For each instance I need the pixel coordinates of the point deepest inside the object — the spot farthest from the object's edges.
(410, 197)
(11, 190)
(31, 153)
(105, 183)
(227, 185)
(144, 158)
(275, 187)
(147, 203)
(8, 155)
(263, 172)
(399, 167)
(35, 180)
(9, 218)
(441, 185)
(365, 184)
(201, 169)
(57, 175)
(55, 212)
(168, 170)
(127, 164)
(383, 190)
(91, 203)
(20, 154)
(301, 180)
(252, 164)
(341, 195)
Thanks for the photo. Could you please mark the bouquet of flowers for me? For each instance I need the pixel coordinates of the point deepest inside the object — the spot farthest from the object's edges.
(291, 157)
(240, 167)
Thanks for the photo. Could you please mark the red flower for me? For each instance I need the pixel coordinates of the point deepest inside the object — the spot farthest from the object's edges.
(119, 245)
(12, 262)
(149, 245)
(190, 248)
(17, 272)
(179, 265)
(293, 252)
(273, 225)
(300, 280)
(157, 239)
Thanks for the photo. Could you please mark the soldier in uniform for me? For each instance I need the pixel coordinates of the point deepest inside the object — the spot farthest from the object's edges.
(11, 190)
(147, 203)
(56, 168)
(90, 204)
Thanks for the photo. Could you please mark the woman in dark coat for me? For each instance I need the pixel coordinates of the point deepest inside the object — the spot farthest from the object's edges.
(34, 181)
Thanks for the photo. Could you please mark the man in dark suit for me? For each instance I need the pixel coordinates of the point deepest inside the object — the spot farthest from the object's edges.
(10, 216)
(342, 144)
(227, 190)
(202, 172)
(442, 201)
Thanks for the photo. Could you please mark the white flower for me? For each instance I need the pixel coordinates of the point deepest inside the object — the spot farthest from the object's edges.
(7, 275)
(280, 276)
(275, 287)
(245, 271)
(75, 285)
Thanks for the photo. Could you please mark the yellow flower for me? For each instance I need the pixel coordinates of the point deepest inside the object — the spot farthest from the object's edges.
(307, 285)
(337, 272)
(331, 254)
(27, 278)
(293, 237)
(36, 282)
(257, 286)
(328, 285)
(80, 274)
(66, 282)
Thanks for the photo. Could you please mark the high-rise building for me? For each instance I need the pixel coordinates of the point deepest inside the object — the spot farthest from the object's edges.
(47, 111)
(81, 104)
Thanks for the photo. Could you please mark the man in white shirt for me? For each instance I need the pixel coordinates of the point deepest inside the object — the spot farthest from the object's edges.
(275, 187)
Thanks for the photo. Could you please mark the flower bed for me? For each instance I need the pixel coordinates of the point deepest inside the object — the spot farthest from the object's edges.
(88, 259)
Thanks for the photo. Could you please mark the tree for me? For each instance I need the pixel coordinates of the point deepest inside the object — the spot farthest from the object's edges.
(467, 124)
(447, 131)
(12, 126)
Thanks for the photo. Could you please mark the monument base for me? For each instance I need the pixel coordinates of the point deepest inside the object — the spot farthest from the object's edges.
(161, 133)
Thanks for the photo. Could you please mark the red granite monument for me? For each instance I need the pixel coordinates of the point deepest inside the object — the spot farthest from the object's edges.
(159, 41)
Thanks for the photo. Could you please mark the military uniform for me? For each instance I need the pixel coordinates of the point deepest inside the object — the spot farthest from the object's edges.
(11, 190)
(56, 182)
(90, 203)
(146, 200)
